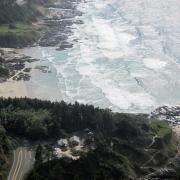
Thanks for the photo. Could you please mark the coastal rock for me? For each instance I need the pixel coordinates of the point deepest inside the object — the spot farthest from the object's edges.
(43, 69)
(64, 45)
(169, 172)
(58, 22)
(166, 113)
(22, 76)
(15, 65)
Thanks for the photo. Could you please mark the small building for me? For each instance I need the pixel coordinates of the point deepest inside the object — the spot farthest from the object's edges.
(90, 133)
(62, 143)
(86, 130)
(74, 140)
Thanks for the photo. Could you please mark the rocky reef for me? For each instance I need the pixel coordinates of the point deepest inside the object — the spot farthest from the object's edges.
(14, 65)
(167, 113)
(61, 16)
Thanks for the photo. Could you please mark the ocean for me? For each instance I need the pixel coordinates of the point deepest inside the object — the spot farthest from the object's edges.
(126, 57)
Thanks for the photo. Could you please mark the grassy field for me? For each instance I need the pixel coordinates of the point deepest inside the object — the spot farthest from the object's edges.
(22, 35)
(160, 128)
(21, 28)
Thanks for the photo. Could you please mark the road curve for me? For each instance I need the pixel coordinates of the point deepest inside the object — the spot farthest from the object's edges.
(23, 161)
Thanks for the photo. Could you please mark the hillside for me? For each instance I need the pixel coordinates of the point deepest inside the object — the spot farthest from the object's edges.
(12, 11)
(16, 29)
(130, 157)
(124, 145)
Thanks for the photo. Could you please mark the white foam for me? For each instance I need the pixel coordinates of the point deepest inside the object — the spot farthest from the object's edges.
(112, 43)
(127, 53)
(122, 98)
(51, 58)
(156, 64)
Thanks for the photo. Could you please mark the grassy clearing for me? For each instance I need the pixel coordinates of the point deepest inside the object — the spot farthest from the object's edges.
(20, 29)
(160, 128)
(22, 35)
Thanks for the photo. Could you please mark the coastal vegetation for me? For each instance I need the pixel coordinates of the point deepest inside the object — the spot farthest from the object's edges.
(11, 12)
(4, 72)
(4, 153)
(160, 128)
(18, 39)
(124, 144)
(16, 29)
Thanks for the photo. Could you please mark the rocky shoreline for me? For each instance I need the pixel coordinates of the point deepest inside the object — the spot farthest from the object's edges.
(56, 28)
(15, 65)
(60, 18)
(167, 113)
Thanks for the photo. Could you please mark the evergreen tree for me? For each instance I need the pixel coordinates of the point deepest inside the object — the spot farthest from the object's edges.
(38, 155)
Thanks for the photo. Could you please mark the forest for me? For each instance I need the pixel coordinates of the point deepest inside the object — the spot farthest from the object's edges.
(5, 148)
(130, 135)
(43, 119)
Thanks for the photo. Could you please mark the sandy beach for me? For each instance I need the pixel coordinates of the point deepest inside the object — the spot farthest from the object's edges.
(12, 88)
(176, 129)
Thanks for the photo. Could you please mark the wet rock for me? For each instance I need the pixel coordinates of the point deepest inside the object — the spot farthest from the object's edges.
(27, 70)
(22, 76)
(166, 113)
(64, 45)
(14, 63)
(43, 69)
(61, 18)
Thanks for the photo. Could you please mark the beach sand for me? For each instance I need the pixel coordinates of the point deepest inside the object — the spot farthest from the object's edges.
(176, 129)
(13, 89)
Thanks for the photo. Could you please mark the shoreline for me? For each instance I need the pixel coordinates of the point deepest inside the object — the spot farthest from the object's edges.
(15, 85)
(18, 65)
(57, 25)
(13, 89)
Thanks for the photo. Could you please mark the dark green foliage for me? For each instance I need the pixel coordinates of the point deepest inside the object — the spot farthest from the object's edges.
(4, 153)
(101, 164)
(11, 12)
(12, 26)
(127, 130)
(39, 119)
(38, 156)
(13, 40)
(4, 72)
(120, 139)
(29, 123)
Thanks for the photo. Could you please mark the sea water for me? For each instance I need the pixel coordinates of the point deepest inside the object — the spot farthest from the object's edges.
(127, 57)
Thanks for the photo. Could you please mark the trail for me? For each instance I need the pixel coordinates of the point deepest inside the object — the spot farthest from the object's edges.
(17, 73)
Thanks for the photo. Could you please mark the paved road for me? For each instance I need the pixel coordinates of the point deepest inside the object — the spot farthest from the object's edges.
(23, 161)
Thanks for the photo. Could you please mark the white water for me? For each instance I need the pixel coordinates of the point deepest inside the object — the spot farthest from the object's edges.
(127, 57)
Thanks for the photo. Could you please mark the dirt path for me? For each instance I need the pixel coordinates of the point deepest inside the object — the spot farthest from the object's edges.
(153, 141)
(176, 130)
(16, 74)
